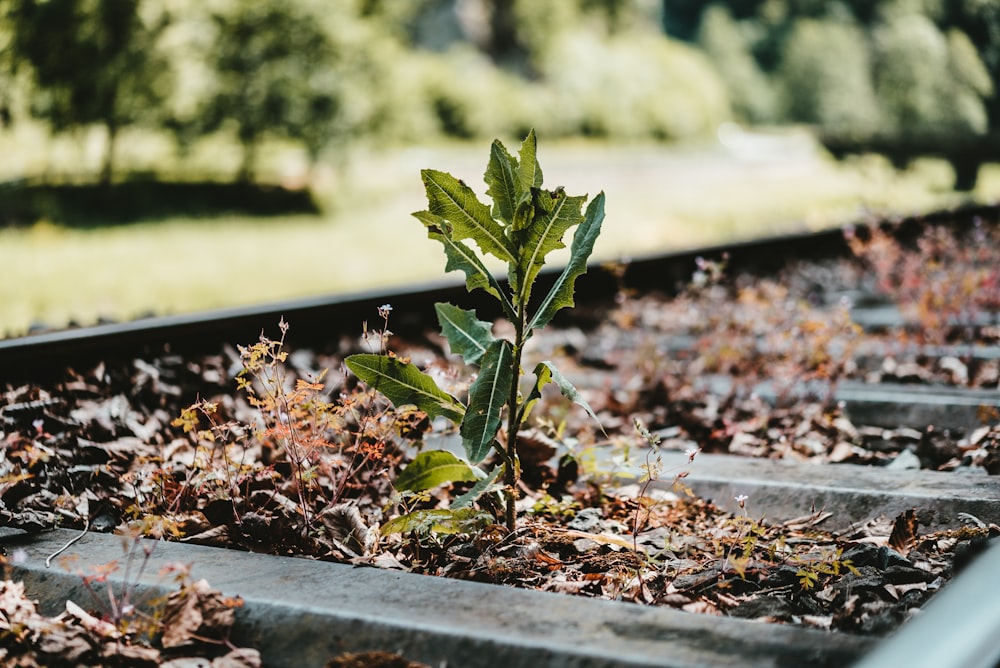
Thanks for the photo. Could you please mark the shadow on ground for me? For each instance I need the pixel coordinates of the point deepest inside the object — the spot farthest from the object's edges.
(85, 205)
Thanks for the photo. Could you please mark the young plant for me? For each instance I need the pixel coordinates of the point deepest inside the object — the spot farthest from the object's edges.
(525, 223)
(310, 446)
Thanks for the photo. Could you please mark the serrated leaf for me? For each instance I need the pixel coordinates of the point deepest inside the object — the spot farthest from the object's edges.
(487, 396)
(477, 490)
(555, 213)
(469, 218)
(403, 384)
(529, 171)
(503, 181)
(524, 212)
(543, 376)
(445, 521)
(462, 258)
(561, 294)
(467, 335)
(545, 373)
(432, 468)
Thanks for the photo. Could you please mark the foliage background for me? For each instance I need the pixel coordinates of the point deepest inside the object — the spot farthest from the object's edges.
(333, 96)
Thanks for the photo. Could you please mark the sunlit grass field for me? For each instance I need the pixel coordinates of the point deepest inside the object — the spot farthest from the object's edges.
(658, 198)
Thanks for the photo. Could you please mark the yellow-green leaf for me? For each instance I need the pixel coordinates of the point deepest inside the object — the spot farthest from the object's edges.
(469, 218)
(467, 335)
(504, 183)
(438, 521)
(487, 396)
(432, 468)
(404, 384)
(561, 293)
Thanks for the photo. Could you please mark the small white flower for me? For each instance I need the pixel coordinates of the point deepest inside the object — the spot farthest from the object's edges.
(742, 500)
(691, 453)
(384, 310)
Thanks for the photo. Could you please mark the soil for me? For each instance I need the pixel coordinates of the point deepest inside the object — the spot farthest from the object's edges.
(309, 470)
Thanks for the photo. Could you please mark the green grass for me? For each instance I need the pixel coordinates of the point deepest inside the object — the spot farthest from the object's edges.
(658, 199)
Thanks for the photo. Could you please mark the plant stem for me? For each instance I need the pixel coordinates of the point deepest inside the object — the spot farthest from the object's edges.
(513, 425)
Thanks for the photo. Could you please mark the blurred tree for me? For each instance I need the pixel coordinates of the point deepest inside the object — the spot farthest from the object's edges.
(970, 79)
(889, 9)
(503, 44)
(398, 19)
(8, 73)
(274, 73)
(750, 92)
(540, 25)
(980, 21)
(682, 18)
(825, 76)
(91, 62)
(520, 31)
(640, 85)
(618, 16)
(927, 83)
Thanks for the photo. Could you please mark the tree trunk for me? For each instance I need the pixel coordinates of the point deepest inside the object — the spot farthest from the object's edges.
(503, 46)
(107, 170)
(247, 173)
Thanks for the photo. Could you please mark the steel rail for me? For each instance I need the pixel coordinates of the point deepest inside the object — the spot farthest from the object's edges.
(299, 612)
(325, 317)
(959, 627)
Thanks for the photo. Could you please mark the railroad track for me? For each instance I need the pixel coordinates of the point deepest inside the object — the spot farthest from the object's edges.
(300, 612)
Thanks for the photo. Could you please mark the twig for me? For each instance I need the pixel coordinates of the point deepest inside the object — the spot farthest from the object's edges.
(86, 528)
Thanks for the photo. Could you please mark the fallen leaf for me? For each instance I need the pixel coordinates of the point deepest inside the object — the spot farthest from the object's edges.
(904, 532)
(196, 611)
(239, 658)
(90, 623)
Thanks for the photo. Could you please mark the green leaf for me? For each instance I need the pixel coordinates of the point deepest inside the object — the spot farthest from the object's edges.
(462, 258)
(503, 181)
(487, 396)
(561, 294)
(546, 372)
(467, 335)
(529, 171)
(478, 489)
(469, 218)
(403, 383)
(439, 521)
(555, 213)
(432, 468)
(524, 213)
(543, 376)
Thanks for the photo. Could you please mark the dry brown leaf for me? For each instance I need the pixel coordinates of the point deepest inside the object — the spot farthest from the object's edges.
(807, 521)
(96, 626)
(904, 532)
(843, 451)
(563, 586)
(344, 521)
(239, 658)
(131, 655)
(818, 621)
(372, 660)
(17, 612)
(701, 606)
(68, 643)
(196, 610)
(187, 662)
(214, 537)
